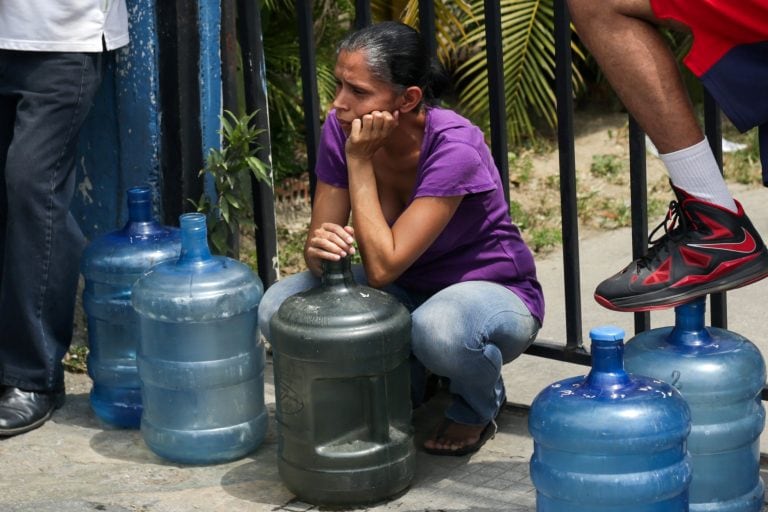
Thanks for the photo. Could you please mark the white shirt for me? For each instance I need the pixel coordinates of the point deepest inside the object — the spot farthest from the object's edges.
(63, 25)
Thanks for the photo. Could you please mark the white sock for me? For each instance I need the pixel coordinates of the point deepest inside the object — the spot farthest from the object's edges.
(694, 169)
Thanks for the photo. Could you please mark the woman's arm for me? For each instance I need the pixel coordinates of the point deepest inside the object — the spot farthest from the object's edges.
(388, 252)
(328, 237)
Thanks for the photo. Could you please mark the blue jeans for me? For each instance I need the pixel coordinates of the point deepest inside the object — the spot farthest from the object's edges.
(465, 332)
(44, 99)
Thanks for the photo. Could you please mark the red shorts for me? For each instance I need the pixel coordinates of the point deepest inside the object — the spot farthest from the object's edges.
(730, 57)
(717, 26)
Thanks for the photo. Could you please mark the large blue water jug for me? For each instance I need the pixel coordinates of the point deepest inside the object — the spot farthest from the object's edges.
(342, 380)
(721, 375)
(200, 360)
(610, 441)
(110, 265)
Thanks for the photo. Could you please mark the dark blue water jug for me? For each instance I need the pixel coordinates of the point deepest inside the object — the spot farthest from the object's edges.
(110, 265)
(342, 379)
(610, 441)
(200, 360)
(720, 374)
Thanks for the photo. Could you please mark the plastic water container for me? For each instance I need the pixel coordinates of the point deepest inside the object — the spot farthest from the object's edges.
(610, 441)
(342, 380)
(200, 360)
(721, 375)
(110, 265)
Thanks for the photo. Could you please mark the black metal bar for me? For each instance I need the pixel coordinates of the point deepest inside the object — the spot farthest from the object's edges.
(182, 153)
(638, 185)
(252, 48)
(496, 99)
(427, 26)
(363, 16)
(565, 141)
(714, 132)
(229, 56)
(552, 350)
(229, 79)
(309, 87)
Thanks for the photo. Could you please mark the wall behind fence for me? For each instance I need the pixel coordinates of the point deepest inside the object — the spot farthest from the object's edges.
(155, 116)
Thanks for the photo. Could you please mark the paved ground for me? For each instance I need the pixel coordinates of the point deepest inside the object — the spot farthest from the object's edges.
(75, 463)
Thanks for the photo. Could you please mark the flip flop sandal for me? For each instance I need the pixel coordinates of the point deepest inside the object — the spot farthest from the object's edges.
(489, 432)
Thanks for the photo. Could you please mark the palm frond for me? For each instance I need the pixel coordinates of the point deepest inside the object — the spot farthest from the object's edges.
(528, 52)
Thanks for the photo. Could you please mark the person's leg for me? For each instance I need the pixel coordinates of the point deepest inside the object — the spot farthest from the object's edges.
(640, 67)
(623, 37)
(466, 332)
(42, 242)
(7, 120)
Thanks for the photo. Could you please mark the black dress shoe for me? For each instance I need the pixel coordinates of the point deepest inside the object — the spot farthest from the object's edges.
(22, 411)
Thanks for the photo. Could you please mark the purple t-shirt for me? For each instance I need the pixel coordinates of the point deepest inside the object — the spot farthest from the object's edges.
(480, 243)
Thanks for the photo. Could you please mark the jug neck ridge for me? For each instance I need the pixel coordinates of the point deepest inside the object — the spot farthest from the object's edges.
(607, 359)
(194, 239)
(139, 205)
(337, 273)
(689, 329)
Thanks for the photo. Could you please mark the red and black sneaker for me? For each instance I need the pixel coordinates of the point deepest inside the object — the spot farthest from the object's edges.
(705, 249)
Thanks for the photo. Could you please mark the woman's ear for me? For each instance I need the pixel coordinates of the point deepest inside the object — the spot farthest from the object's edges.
(411, 98)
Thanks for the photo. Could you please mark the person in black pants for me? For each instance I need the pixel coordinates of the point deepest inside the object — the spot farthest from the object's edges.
(50, 69)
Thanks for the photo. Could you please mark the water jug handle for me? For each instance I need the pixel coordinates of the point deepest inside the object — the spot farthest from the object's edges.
(378, 415)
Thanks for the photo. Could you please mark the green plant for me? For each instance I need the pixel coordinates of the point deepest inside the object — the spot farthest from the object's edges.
(231, 168)
(528, 48)
(539, 227)
(543, 240)
(606, 166)
(331, 20)
(75, 360)
(520, 168)
(743, 166)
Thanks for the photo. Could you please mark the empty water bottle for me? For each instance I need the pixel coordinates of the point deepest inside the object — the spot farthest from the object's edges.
(610, 441)
(341, 354)
(111, 264)
(721, 375)
(200, 360)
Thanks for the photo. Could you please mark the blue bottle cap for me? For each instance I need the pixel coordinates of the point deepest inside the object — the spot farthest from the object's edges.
(606, 333)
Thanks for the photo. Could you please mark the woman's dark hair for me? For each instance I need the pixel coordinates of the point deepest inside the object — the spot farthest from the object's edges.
(397, 54)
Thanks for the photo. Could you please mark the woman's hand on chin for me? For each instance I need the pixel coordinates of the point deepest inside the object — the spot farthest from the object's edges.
(369, 133)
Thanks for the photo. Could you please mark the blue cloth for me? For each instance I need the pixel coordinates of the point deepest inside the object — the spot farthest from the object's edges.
(739, 84)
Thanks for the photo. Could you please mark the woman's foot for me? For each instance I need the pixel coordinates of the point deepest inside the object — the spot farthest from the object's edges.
(451, 438)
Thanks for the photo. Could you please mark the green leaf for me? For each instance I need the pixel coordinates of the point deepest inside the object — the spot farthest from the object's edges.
(528, 55)
(227, 167)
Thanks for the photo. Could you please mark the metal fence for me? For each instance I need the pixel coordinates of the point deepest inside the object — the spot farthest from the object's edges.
(571, 349)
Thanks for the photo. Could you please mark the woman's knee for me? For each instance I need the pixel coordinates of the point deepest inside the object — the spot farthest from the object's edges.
(277, 293)
(455, 355)
(433, 347)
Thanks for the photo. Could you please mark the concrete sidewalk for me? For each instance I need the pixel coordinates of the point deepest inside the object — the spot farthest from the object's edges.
(76, 463)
